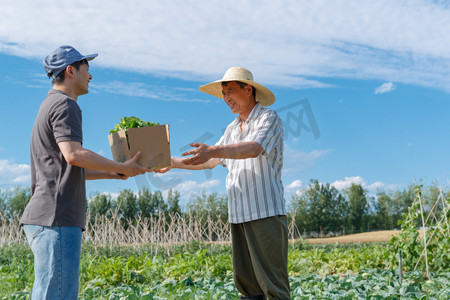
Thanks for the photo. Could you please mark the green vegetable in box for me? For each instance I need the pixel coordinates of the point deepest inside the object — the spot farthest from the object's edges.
(131, 122)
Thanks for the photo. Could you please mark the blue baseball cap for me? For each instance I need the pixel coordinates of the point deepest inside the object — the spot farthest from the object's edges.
(63, 56)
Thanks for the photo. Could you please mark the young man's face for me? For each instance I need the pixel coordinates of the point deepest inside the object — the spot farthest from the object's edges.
(82, 78)
(238, 99)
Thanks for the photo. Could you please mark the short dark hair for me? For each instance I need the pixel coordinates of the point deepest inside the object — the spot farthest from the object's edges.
(62, 75)
(241, 85)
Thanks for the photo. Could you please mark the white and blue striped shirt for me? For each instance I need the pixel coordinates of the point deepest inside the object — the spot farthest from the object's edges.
(254, 186)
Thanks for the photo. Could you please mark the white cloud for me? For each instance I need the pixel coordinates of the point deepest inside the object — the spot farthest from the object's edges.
(297, 160)
(189, 186)
(348, 181)
(375, 186)
(294, 186)
(289, 43)
(385, 88)
(138, 89)
(113, 195)
(12, 173)
(393, 187)
(21, 179)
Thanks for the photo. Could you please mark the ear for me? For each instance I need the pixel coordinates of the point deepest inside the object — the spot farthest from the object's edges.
(69, 71)
(249, 89)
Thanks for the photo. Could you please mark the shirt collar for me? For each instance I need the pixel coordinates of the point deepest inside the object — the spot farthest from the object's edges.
(255, 111)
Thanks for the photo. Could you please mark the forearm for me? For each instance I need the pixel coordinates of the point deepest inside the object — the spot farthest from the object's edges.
(179, 164)
(237, 151)
(203, 153)
(76, 155)
(89, 160)
(94, 175)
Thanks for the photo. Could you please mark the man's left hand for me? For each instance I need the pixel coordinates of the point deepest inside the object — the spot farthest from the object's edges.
(201, 154)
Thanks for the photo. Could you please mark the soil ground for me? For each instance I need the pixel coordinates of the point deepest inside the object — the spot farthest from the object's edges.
(366, 237)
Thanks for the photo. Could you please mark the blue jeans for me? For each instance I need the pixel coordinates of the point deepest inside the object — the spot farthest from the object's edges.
(56, 253)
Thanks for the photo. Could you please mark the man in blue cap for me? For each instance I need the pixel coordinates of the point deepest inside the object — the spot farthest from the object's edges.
(55, 216)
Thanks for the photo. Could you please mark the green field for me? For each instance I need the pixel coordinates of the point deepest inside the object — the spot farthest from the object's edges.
(204, 271)
(167, 257)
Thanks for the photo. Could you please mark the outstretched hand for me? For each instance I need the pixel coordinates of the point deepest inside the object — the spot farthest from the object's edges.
(201, 154)
(163, 170)
(173, 164)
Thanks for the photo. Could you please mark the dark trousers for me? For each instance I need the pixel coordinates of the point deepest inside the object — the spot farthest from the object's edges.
(260, 250)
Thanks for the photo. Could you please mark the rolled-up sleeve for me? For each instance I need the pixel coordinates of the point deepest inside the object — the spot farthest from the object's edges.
(270, 130)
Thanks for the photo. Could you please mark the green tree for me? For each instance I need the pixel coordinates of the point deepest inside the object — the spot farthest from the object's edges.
(370, 218)
(17, 200)
(357, 201)
(335, 207)
(145, 199)
(320, 208)
(126, 205)
(401, 201)
(203, 205)
(299, 205)
(384, 217)
(342, 212)
(3, 212)
(173, 202)
(99, 205)
(158, 205)
(218, 206)
(314, 207)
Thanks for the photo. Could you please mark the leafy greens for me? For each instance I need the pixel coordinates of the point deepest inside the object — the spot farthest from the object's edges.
(131, 122)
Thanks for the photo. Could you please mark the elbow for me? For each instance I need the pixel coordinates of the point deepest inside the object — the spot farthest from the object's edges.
(71, 152)
(257, 150)
(71, 159)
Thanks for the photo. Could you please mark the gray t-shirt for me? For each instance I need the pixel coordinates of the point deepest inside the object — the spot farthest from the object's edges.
(58, 188)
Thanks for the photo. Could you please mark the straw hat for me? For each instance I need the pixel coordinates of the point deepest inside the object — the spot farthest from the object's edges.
(263, 94)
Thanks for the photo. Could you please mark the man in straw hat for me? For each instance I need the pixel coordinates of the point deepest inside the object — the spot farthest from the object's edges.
(54, 218)
(252, 150)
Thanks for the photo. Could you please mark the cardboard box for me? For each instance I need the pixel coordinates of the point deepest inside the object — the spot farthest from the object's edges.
(153, 142)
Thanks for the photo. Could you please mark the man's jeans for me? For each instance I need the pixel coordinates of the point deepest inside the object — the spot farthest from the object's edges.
(56, 253)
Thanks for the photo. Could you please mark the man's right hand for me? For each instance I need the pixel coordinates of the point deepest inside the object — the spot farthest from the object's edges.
(168, 168)
(133, 168)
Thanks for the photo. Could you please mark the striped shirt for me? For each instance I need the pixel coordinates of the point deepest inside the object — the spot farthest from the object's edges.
(254, 186)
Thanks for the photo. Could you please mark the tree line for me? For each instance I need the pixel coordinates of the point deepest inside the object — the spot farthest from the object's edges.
(318, 208)
(321, 208)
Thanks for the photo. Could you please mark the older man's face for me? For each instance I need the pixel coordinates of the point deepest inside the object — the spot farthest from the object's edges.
(238, 99)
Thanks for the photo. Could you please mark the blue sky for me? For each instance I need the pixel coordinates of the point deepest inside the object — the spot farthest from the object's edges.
(371, 80)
